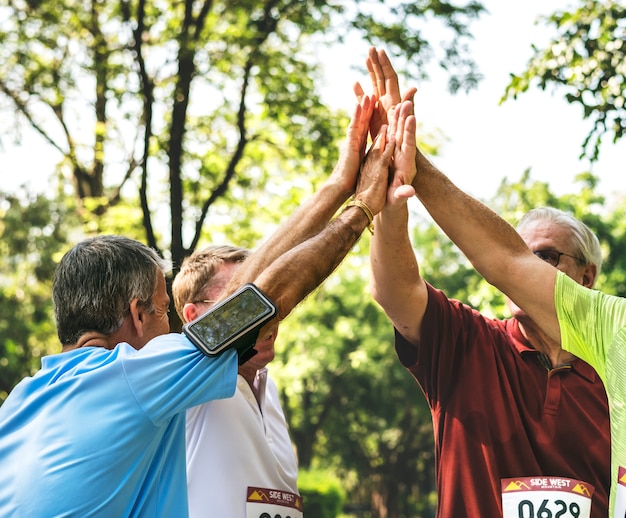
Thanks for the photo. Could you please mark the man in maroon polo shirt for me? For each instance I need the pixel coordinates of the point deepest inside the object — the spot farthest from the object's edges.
(517, 431)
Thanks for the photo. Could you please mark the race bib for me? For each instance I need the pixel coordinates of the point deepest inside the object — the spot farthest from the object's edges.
(620, 495)
(272, 503)
(546, 497)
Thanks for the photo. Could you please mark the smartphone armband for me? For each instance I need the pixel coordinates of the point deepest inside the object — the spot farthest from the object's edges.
(233, 323)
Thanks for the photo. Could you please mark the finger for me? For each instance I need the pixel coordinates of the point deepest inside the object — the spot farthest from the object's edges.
(399, 116)
(392, 118)
(356, 117)
(365, 115)
(381, 139)
(368, 105)
(365, 102)
(389, 75)
(389, 149)
(372, 73)
(406, 108)
(409, 95)
(358, 91)
(408, 137)
(378, 72)
(403, 112)
(358, 108)
(404, 192)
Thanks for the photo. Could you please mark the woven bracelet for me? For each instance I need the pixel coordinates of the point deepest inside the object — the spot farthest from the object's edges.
(368, 213)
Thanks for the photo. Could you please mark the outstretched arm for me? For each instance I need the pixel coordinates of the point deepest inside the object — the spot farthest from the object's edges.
(291, 277)
(493, 246)
(315, 213)
(396, 282)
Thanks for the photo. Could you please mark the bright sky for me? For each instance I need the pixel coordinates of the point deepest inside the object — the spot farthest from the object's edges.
(486, 142)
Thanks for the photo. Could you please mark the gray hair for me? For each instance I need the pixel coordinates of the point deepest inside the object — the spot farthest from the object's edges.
(96, 281)
(585, 242)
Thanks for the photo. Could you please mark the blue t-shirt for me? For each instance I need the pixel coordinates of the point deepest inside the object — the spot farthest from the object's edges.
(100, 432)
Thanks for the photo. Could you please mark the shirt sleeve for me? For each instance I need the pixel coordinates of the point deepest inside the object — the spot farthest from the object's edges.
(452, 339)
(589, 321)
(169, 375)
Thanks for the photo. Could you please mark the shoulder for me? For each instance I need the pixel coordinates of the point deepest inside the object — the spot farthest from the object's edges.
(572, 298)
(441, 308)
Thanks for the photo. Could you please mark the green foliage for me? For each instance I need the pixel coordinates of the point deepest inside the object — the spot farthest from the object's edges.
(585, 59)
(120, 219)
(186, 107)
(613, 235)
(34, 232)
(322, 494)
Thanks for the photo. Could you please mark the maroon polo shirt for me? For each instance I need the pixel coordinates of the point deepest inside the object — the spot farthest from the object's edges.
(499, 412)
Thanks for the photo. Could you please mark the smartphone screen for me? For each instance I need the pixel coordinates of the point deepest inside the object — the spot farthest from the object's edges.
(230, 319)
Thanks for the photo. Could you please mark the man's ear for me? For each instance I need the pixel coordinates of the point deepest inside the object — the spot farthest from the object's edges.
(589, 275)
(191, 311)
(137, 317)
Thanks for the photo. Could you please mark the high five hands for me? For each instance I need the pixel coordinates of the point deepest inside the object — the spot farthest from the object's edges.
(397, 112)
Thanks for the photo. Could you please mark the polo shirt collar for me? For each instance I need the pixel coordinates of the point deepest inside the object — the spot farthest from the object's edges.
(524, 347)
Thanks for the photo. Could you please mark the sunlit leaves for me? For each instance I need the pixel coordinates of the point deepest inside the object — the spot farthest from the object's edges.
(34, 232)
(586, 60)
(101, 81)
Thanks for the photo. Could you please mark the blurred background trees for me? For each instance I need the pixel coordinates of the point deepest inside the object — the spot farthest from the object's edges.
(188, 123)
(176, 106)
(586, 62)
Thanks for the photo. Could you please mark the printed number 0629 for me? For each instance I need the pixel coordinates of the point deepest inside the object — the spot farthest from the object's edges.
(526, 509)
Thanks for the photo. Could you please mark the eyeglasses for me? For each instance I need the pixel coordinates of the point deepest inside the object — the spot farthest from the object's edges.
(554, 256)
(203, 301)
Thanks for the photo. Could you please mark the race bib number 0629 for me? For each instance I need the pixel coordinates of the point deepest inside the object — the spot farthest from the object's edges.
(546, 497)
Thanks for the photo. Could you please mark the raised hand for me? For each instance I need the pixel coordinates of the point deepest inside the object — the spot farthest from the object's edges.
(352, 149)
(373, 179)
(402, 125)
(385, 87)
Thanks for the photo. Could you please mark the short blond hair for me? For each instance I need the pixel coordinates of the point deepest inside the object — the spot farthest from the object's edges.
(198, 270)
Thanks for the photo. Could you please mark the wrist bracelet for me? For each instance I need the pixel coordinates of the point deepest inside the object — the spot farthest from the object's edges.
(368, 213)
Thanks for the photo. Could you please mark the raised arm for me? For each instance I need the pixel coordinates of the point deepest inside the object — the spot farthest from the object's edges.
(396, 283)
(310, 217)
(492, 245)
(300, 270)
